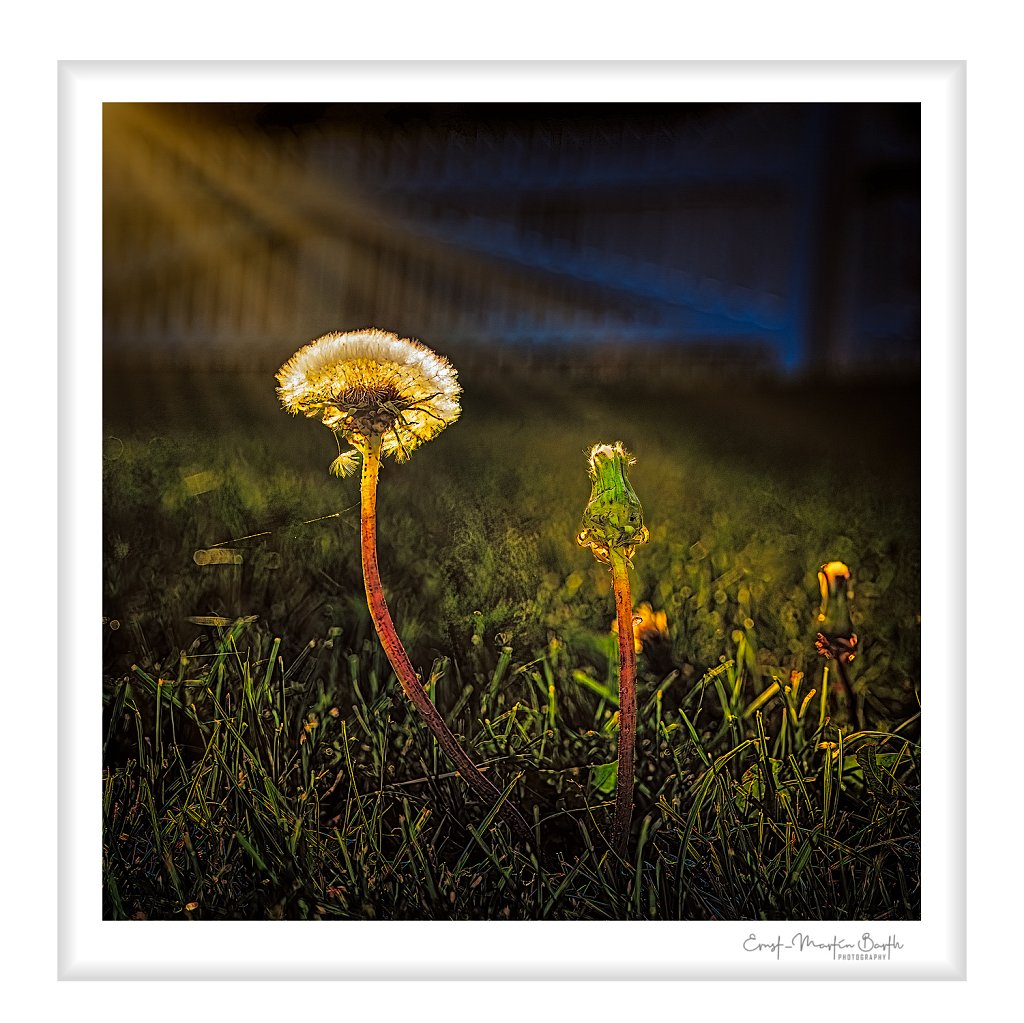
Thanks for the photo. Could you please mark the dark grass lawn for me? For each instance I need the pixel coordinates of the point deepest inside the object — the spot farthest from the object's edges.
(747, 487)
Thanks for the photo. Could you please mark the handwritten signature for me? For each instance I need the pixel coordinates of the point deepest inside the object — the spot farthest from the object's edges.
(865, 947)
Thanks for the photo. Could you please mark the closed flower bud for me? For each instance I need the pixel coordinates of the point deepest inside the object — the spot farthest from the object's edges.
(613, 518)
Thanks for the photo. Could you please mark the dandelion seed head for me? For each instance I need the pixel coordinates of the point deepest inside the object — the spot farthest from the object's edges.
(371, 384)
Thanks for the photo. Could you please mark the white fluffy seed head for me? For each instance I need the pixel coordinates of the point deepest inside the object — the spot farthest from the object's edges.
(372, 384)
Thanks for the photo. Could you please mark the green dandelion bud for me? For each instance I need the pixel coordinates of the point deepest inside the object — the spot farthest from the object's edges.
(613, 518)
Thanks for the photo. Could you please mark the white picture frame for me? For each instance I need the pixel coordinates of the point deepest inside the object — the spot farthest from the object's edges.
(932, 948)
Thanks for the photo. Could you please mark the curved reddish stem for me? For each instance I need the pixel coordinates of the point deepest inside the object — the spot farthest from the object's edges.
(399, 659)
(627, 702)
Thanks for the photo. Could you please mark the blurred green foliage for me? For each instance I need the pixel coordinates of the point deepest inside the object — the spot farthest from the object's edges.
(477, 531)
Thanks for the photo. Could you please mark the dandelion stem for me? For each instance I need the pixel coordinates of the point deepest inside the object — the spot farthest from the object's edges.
(845, 693)
(627, 701)
(613, 527)
(399, 659)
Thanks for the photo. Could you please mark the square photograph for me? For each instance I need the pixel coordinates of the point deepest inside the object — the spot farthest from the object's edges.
(511, 511)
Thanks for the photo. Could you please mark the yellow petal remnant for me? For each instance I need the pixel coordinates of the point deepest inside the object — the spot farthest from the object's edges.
(836, 637)
(829, 576)
(836, 591)
(649, 626)
(369, 385)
